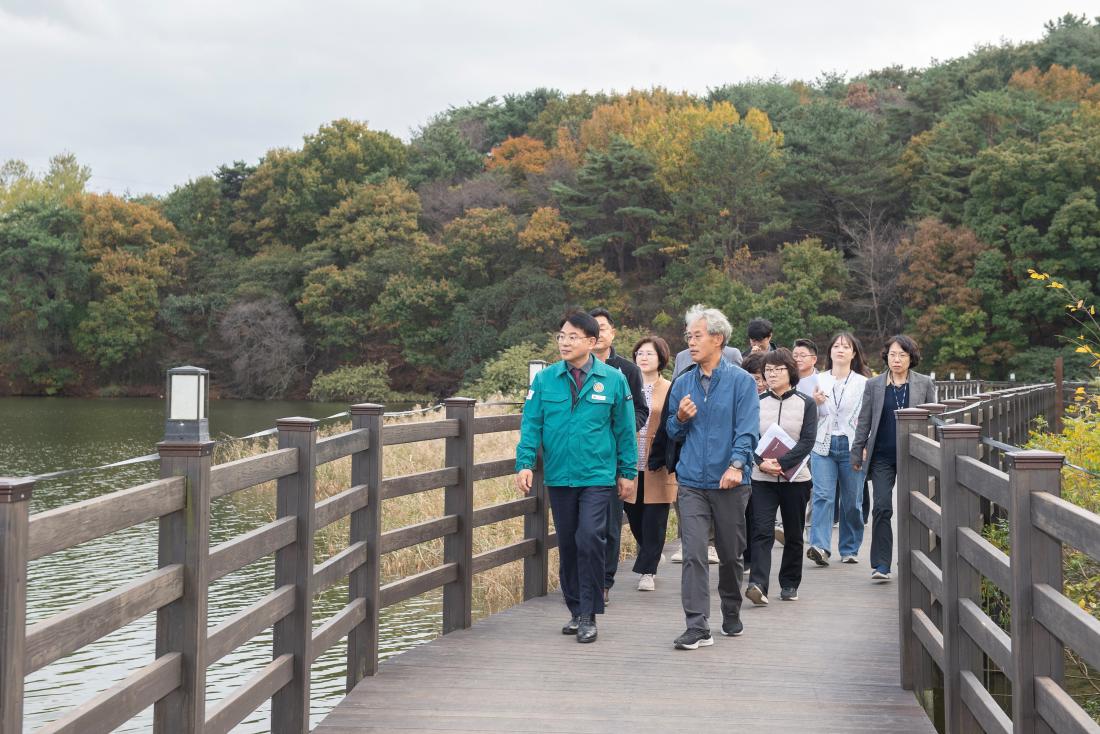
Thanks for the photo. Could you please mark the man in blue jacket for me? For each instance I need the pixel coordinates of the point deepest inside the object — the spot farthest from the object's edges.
(717, 416)
(580, 412)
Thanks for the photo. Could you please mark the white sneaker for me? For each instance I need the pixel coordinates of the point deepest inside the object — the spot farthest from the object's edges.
(677, 557)
(712, 554)
(645, 583)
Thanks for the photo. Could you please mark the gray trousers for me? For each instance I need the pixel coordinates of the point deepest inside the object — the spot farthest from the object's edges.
(698, 509)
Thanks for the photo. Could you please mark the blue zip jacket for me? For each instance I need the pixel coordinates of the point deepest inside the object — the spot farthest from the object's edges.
(725, 429)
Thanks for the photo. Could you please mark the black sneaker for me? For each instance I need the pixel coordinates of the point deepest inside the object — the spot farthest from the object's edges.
(732, 628)
(586, 629)
(693, 638)
(789, 593)
(570, 627)
(757, 595)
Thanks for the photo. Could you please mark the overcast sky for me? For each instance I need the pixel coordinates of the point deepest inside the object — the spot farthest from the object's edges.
(151, 93)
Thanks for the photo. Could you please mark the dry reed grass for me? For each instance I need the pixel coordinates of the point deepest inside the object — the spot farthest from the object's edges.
(495, 589)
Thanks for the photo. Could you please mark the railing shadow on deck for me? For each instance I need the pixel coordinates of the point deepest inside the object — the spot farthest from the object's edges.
(951, 480)
(177, 591)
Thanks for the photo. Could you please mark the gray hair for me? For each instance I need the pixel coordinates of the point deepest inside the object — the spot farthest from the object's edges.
(716, 321)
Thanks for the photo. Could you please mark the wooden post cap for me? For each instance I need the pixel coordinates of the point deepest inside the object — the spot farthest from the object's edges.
(1035, 459)
(956, 431)
(185, 448)
(933, 408)
(297, 424)
(458, 402)
(367, 409)
(971, 399)
(15, 489)
(911, 414)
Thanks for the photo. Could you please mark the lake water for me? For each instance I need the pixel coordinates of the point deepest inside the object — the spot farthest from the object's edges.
(40, 435)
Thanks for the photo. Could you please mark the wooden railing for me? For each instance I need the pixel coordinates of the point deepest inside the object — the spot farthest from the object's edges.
(177, 590)
(945, 474)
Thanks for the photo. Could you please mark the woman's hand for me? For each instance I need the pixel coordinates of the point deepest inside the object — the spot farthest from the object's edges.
(771, 467)
(819, 397)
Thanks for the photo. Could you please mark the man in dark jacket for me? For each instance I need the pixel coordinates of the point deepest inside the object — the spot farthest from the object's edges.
(605, 352)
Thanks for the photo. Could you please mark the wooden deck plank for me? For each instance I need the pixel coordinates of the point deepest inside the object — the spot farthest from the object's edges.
(827, 663)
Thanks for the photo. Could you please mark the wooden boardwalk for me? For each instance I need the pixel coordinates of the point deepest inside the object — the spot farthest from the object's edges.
(826, 663)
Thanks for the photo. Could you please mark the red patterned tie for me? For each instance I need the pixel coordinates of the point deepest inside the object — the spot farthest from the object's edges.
(578, 376)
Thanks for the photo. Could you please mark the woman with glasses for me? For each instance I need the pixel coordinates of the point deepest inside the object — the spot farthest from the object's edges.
(875, 444)
(839, 396)
(647, 508)
(781, 481)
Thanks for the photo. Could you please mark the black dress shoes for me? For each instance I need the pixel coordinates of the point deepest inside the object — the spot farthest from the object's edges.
(586, 629)
(570, 627)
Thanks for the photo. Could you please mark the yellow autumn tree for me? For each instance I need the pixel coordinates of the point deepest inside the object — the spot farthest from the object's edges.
(669, 139)
(519, 156)
(1057, 84)
(547, 235)
(627, 114)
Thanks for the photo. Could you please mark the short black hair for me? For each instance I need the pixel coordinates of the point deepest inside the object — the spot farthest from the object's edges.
(807, 344)
(601, 311)
(759, 329)
(582, 321)
(753, 363)
(907, 344)
(783, 356)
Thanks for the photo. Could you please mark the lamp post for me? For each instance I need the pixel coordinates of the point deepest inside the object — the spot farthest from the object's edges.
(533, 368)
(952, 376)
(188, 401)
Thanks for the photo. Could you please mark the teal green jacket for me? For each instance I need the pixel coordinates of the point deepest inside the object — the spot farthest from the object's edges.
(587, 445)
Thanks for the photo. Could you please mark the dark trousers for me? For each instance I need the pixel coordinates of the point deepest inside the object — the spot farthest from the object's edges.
(790, 499)
(724, 510)
(648, 524)
(614, 538)
(882, 473)
(580, 518)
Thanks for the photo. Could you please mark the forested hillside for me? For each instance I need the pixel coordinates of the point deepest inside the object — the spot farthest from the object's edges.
(903, 199)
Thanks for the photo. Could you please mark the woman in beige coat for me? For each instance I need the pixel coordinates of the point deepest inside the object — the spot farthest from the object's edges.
(647, 508)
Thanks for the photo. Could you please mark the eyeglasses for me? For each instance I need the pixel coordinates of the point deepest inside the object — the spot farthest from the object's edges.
(570, 338)
(774, 370)
(690, 336)
(801, 355)
(644, 353)
(897, 355)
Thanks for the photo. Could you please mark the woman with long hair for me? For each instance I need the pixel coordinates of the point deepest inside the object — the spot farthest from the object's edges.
(839, 397)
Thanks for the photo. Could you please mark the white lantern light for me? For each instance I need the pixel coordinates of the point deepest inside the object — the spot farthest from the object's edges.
(952, 376)
(1012, 376)
(534, 367)
(968, 375)
(187, 405)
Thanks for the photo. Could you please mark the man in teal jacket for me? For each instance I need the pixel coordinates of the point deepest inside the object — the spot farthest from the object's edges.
(580, 412)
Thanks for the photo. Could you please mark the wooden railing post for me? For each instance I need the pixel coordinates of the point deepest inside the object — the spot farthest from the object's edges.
(910, 593)
(293, 634)
(960, 580)
(536, 567)
(184, 538)
(366, 527)
(1036, 559)
(15, 505)
(458, 499)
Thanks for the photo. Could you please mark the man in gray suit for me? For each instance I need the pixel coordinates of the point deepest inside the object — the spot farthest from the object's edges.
(875, 443)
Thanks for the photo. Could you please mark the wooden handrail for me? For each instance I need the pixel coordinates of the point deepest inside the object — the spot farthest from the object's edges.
(975, 484)
(178, 591)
